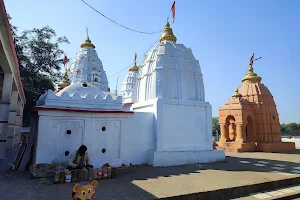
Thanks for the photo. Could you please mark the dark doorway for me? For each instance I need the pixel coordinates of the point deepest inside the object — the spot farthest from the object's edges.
(250, 137)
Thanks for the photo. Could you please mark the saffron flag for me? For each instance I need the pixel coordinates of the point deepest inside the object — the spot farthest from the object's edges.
(65, 60)
(251, 59)
(173, 11)
(135, 57)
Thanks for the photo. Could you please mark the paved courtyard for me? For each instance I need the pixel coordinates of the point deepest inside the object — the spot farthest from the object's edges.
(145, 182)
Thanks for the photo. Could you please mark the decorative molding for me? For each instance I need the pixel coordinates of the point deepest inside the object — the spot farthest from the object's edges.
(76, 98)
(82, 110)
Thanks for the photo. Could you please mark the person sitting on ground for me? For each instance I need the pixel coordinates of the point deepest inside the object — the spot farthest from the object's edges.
(80, 159)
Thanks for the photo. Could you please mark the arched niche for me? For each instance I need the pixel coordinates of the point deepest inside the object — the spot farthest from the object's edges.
(230, 128)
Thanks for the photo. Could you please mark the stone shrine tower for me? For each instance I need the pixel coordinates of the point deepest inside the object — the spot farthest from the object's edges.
(249, 120)
(128, 88)
(87, 67)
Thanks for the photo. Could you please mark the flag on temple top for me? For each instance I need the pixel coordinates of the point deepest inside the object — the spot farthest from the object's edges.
(65, 60)
(251, 59)
(173, 11)
(135, 57)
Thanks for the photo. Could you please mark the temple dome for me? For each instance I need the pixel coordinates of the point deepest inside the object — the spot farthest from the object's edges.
(170, 71)
(87, 67)
(82, 89)
(253, 90)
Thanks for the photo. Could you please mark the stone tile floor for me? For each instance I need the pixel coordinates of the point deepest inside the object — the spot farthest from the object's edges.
(145, 182)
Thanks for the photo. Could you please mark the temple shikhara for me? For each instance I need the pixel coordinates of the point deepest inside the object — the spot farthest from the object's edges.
(139, 125)
(249, 120)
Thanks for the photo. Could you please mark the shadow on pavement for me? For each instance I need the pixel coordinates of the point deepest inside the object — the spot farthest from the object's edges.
(18, 185)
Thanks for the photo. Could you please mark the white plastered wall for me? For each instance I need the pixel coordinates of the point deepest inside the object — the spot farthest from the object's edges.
(127, 137)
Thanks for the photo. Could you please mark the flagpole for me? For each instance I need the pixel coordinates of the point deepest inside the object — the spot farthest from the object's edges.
(169, 14)
(116, 91)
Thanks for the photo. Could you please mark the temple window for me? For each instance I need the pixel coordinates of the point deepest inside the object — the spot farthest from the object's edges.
(273, 117)
(103, 128)
(103, 150)
(67, 153)
(69, 132)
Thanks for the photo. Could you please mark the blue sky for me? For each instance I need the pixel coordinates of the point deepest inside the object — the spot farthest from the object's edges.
(222, 35)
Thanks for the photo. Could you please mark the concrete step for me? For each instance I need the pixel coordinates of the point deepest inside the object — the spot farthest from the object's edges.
(285, 193)
(227, 149)
(251, 192)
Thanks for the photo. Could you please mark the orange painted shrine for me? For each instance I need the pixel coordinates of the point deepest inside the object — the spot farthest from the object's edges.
(249, 120)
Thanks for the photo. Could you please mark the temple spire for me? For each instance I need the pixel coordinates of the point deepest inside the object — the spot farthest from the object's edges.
(167, 34)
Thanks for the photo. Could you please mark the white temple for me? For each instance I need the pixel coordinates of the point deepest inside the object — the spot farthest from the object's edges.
(87, 67)
(128, 88)
(161, 119)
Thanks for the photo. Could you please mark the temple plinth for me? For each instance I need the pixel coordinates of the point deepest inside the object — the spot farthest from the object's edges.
(249, 120)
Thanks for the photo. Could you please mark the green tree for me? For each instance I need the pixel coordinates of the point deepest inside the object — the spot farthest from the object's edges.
(215, 125)
(292, 129)
(40, 60)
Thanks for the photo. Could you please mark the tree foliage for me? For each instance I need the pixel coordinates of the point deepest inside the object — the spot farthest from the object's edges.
(215, 125)
(292, 129)
(45, 56)
(40, 60)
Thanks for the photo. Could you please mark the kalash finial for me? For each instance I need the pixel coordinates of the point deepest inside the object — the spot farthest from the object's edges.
(168, 34)
(236, 94)
(251, 76)
(65, 82)
(134, 67)
(87, 42)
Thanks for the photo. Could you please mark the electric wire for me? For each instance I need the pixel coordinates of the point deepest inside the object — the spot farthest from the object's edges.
(133, 61)
(117, 22)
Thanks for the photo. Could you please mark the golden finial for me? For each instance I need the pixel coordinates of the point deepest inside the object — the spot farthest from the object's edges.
(134, 67)
(78, 71)
(87, 42)
(236, 94)
(65, 82)
(251, 76)
(168, 34)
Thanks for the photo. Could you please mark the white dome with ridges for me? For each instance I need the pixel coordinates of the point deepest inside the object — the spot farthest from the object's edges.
(170, 71)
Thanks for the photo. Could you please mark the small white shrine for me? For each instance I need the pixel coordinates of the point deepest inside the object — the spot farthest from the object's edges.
(160, 119)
